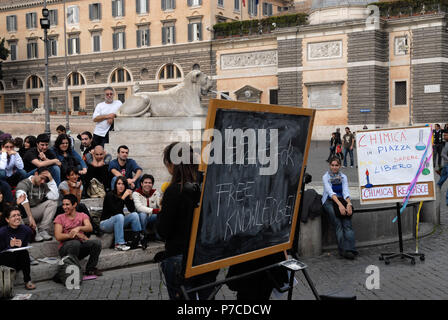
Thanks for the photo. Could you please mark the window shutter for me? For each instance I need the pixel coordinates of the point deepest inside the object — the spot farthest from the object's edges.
(137, 6)
(148, 40)
(36, 53)
(27, 20)
(13, 52)
(99, 11)
(139, 38)
(200, 30)
(163, 34)
(200, 2)
(174, 4)
(114, 8)
(265, 9)
(78, 48)
(147, 5)
(124, 40)
(28, 50)
(55, 17)
(90, 11)
(174, 34)
(114, 41)
(189, 3)
(190, 32)
(70, 46)
(123, 6)
(8, 23)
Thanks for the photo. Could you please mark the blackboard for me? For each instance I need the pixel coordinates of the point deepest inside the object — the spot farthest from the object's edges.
(249, 204)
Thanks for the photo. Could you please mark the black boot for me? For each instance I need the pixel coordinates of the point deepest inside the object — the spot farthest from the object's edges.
(135, 240)
(144, 239)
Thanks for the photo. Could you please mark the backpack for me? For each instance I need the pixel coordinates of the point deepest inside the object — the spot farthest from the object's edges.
(7, 278)
(66, 270)
(96, 189)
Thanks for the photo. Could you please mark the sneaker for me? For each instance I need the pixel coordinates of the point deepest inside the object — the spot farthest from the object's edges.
(344, 166)
(122, 247)
(33, 261)
(44, 234)
(38, 237)
(351, 166)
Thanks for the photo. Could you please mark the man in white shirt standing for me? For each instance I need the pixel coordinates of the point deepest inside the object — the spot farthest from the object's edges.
(104, 115)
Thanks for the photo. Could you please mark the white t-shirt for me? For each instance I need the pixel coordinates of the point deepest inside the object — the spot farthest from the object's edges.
(102, 109)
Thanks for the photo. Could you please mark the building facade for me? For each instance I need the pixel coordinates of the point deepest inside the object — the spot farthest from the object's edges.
(354, 65)
(110, 42)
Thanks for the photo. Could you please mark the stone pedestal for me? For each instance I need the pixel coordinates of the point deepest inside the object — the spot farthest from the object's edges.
(310, 238)
(146, 139)
(431, 209)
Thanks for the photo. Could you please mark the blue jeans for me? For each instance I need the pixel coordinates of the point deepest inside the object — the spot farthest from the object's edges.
(118, 222)
(15, 178)
(146, 219)
(350, 152)
(173, 271)
(55, 172)
(344, 231)
(114, 179)
(443, 177)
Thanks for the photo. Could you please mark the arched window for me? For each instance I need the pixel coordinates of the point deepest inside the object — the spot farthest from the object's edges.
(75, 79)
(120, 75)
(34, 82)
(170, 71)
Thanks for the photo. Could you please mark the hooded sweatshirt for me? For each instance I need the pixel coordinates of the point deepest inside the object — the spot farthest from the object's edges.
(37, 194)
(146, 204)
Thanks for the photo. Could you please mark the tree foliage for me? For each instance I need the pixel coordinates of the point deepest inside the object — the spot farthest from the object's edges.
(4, 52)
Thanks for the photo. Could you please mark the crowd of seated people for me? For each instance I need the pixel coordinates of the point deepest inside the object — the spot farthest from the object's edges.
(44, 183)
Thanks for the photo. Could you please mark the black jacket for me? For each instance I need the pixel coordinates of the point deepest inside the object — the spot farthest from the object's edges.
(113, 205)
(175, 219)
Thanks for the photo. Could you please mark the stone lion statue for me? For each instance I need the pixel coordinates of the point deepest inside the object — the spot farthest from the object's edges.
(181, 100)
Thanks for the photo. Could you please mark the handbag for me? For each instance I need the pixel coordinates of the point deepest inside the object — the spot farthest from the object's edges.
(7, 278)
(337, 213)
(96, 189)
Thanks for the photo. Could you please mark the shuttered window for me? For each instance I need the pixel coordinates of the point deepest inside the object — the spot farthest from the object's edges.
(194, 31)
(96, 42)
(169, 34)
(53, 17)
(11, 23)
(142, 6)
(31, 20)
(143, 37)
(168, 4)
(73, 15)
(118, 8)
(119, 40)
(95, 11)
(400, 93)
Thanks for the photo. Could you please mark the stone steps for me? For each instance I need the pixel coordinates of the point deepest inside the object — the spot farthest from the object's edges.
(109, 258)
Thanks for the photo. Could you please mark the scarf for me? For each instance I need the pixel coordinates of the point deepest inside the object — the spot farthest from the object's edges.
(335, 178)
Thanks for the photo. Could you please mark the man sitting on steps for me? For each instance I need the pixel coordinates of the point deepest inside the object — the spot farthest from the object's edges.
(127, 167)
(41, 201)
(69, 229)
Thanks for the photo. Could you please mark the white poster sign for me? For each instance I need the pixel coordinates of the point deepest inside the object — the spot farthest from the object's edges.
(388, 161)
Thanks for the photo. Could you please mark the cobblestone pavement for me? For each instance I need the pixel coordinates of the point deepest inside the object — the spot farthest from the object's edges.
(426, 280)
